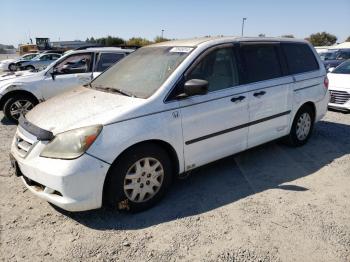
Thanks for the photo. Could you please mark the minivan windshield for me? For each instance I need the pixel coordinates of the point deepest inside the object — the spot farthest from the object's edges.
(141, 73)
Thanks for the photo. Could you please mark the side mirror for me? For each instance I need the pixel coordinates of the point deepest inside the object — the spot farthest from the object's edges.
(196, 87)
(331, 69)
(54, 73)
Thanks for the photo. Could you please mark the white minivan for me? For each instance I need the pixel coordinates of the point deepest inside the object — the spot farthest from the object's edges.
(21, 91)
(164, 110)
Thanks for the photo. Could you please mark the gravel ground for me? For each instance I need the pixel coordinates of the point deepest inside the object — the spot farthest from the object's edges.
(271, 203)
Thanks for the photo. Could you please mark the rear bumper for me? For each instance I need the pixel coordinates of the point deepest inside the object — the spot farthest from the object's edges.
(73, 185)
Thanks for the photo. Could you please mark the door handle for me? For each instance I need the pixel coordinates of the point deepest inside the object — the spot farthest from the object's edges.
(237, 98)
(259, 94)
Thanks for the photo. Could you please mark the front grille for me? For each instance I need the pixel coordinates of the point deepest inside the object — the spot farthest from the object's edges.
(339, 97)
(23, 144)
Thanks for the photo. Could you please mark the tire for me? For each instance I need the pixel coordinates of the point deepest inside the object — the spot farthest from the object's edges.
(30, 67)
(302, 126)
(12, 67)
(126, 194)
(22, 103)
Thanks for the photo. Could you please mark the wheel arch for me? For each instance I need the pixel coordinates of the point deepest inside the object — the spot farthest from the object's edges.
(9, 94)
(311, 105)
(161, 143)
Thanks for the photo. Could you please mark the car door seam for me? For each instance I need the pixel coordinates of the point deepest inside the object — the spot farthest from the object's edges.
(231, 129)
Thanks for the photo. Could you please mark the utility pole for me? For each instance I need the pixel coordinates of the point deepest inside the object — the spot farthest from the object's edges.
(244, 19)
(162, 33)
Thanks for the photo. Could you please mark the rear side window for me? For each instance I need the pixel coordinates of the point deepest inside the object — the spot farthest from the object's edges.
(106, 60)
(300, 58)
(260, 62)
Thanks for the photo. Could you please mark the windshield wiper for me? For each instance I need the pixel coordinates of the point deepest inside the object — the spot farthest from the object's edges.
(112, 90)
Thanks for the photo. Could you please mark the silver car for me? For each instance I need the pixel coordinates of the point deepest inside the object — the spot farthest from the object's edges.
(38, 63)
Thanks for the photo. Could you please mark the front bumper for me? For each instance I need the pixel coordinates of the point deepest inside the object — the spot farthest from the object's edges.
(73, 185)
(340, 99)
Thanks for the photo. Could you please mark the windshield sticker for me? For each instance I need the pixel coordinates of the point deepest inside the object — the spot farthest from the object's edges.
(179, 49)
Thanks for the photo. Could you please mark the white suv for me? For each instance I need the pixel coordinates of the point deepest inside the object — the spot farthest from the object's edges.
(167, 109)
(21, 91)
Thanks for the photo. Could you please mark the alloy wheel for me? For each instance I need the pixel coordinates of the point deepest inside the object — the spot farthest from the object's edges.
(20, 107)
(303, 126)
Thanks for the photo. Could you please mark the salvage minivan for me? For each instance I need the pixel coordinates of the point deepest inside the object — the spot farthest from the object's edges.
(164, 110)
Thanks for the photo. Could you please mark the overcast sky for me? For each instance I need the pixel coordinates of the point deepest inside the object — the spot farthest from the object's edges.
(77, 19)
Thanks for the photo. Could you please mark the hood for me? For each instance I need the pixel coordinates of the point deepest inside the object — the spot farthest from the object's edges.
(22, 75)
(339, 80)
(81, 107)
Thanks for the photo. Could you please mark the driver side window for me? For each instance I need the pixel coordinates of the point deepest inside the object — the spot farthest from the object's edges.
(219, 68)
(74, 64)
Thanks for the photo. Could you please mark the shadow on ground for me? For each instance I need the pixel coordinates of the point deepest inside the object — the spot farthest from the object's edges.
(266, 167)
(6, 122)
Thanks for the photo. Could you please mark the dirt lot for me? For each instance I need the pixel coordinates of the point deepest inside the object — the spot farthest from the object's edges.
(272, 203)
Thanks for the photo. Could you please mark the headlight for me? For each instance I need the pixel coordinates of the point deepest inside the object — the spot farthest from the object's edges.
(71, 144)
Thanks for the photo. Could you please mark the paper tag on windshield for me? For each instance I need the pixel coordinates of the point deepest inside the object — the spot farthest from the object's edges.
(179, 49)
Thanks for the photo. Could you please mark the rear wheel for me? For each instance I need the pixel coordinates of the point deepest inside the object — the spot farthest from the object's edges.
(139, 178)
(302, 126)
(17, 105)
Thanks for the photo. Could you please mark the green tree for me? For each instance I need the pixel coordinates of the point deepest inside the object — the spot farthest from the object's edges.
(159, 39)
(107, 41)
(322, 39)
(138, 41)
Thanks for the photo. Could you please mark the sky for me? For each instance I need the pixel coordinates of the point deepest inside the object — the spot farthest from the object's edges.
(78, 19)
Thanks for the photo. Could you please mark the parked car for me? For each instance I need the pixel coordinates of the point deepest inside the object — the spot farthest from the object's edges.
(163, 110)
(21, 91)
(335, 58)
(339, 86)
(37, 63)
(9, 64)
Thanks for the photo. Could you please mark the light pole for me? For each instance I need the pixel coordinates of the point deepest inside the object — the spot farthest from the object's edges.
(244, 19)
(162, 33)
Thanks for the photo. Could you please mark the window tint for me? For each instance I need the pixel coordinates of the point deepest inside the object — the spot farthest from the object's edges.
(343, 55)
(260, 62)
(78, 63)
(45, 58)
(344, 68)
(219, 68)
(300, 58)
(54, 57)
(106, 60)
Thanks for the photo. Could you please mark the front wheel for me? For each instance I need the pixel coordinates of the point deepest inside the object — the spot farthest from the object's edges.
(17, 105)
(302, 126)
(139, 178)
(12, 67)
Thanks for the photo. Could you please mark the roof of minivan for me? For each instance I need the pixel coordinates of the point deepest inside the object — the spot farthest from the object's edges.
(197, 41)
(109, 49)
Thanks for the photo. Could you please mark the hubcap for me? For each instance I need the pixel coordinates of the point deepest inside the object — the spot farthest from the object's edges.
(143, 179)
(20, 107)
(303, 126)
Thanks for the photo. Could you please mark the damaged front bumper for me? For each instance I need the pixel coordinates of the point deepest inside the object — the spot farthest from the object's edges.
(73, 185)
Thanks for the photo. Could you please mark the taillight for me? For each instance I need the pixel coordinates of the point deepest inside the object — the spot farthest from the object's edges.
(326, 82)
